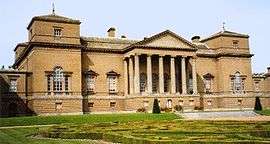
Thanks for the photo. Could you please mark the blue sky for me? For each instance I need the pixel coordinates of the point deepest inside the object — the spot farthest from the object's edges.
(139, 18)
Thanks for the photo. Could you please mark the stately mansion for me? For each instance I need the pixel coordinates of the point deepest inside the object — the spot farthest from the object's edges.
(58, 71)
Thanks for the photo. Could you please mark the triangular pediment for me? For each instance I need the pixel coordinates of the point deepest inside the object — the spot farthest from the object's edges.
(166, 39)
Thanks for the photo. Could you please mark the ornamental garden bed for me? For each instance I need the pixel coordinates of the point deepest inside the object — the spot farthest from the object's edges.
(165, 132)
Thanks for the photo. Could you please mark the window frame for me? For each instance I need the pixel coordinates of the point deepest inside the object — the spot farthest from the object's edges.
(57, 31)
(237, 83)
(13, 85)
(112, 84)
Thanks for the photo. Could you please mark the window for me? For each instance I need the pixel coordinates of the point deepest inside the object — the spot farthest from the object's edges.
(256, 86)
(112, 104)
(58, 106)
(57, 31)
(237, 83)
(235, 44)
(209, 102)
(181, 102)
(207, 84)
(155, 82)
(142, 82)
(191, 102)
(91, 104)
(169, 103)
(13, 85)
(91, 82)
(239, 102)
(112, 80)
(58, 79)
(166, 82)
(190, 85)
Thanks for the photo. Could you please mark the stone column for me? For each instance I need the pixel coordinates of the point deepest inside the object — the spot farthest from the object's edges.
(131, 78)
(126, 76)
(172, 75)
(161, 75)
(194, 76)
(183, 71)
(136, 74)
(149, 74)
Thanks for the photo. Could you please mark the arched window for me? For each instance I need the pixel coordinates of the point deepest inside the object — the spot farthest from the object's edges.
(155, 82)
(143, 82)
(58, 78)
(166, 82)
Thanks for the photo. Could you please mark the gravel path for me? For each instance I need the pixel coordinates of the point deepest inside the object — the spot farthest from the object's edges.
(228, 115)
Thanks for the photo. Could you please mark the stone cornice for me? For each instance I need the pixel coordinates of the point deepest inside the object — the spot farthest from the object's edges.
(224, 55)
(31, 45)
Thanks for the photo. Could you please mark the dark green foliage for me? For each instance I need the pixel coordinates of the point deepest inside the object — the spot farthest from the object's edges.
(156, 108)
(258, 105)
(178, 108)
(141, 110)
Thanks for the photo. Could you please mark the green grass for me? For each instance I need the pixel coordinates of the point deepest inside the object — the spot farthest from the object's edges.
(80, 119)
(171, 131)
(264, 112)
(130, 128)
(23, 136)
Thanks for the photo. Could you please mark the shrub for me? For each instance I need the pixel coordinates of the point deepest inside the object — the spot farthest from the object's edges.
(156, 108)
(258, 105)
(178, 108)
(141, 110)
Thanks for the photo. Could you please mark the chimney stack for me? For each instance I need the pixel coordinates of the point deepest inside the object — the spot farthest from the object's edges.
(111, 32)
(195, 39)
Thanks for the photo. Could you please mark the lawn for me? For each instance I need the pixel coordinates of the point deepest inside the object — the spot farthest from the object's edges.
(130, 128)
(264, 112)
(80, 119)
(166, 132)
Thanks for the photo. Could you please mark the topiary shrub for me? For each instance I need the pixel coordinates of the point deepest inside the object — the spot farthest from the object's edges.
(178, 108)
(141, 110)
(156, 108)
(258, 105)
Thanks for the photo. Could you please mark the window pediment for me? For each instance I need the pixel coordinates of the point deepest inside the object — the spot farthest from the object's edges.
(91, 72)
(208, 75)
(112, 73)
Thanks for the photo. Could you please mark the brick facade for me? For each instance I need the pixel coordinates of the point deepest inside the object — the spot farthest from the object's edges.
(164, 66)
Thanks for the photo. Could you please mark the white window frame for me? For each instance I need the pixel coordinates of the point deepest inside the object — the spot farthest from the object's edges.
(57, 32)
(58, 80)
(169, 103)
(91, 83)
(13, 85)
(208, 85)
(112, 83)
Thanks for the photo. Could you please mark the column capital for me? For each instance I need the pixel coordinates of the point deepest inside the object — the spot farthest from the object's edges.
(149, 55)
(182, 56)
(161, 55)
(137, 54)
(173, 56)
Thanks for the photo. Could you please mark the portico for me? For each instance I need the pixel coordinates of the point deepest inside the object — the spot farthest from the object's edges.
(144, 75)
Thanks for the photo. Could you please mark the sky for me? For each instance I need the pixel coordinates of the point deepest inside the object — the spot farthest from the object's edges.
(142, 18)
